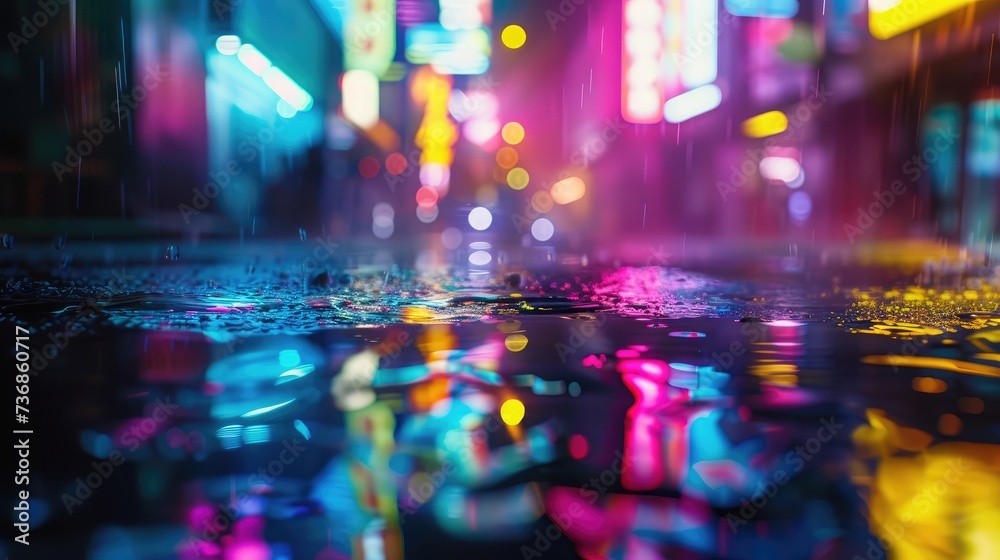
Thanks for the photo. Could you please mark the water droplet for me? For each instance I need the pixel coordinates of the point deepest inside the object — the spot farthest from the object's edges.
(59, 241)
(173, 253)
(302, 234)
(8, 241)
(67, 258)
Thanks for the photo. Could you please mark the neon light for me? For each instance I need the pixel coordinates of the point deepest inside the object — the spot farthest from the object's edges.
(228, 44)
(465, 14)
(783, 169)
(888, 19)
(253, 59)
(642, 56)
(370, 36)
(701, 44)
(568, 190)
(296, 98)
(463, 51)
(764, 8)
(361, 98)
(696, 102)
(287, 89)
(764, 125)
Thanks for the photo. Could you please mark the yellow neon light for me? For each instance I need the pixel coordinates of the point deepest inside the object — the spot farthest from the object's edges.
(888, 18)
(768, 124)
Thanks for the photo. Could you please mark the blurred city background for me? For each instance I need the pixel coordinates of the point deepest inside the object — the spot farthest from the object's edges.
(567, 122)
(494, 279)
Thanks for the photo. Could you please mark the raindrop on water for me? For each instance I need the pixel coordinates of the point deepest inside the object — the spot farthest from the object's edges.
(302, 234)
(173, 253)
(8, 241)
(59, 241)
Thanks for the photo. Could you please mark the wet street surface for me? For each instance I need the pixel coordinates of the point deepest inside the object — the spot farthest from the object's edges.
(261, 410)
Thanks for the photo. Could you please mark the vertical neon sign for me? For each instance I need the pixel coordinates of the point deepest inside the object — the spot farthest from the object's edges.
(642, 60)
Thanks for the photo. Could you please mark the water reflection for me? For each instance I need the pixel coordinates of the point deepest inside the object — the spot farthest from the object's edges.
(539, 428)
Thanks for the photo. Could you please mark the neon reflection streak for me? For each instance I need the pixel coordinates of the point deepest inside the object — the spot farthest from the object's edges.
(929, 499)
(643, 468)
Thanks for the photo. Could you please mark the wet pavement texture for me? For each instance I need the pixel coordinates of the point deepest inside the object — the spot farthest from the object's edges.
(205, 410)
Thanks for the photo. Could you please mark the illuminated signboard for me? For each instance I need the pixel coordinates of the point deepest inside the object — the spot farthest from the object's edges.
(465, 14)
(460, 51)
(642, 61)
(888, 18)
(670, 47)
(370, 36)
(698, 48)
(763, 8)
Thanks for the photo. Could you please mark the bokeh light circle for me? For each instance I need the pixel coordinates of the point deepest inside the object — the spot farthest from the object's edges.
(516, 342)
(542, 229)
(513, 36)
(506, 157)
(480, 218)
(395, 163)
(518, 178)
(512, 412)
(426, 197)
(578, 446)
(512, 133)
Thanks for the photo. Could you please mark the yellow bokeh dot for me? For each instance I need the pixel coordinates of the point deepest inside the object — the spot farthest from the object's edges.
(513, 36)
(516, 342)
(517, 178)
(512, 412)
(512, 133)
(507, 157)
